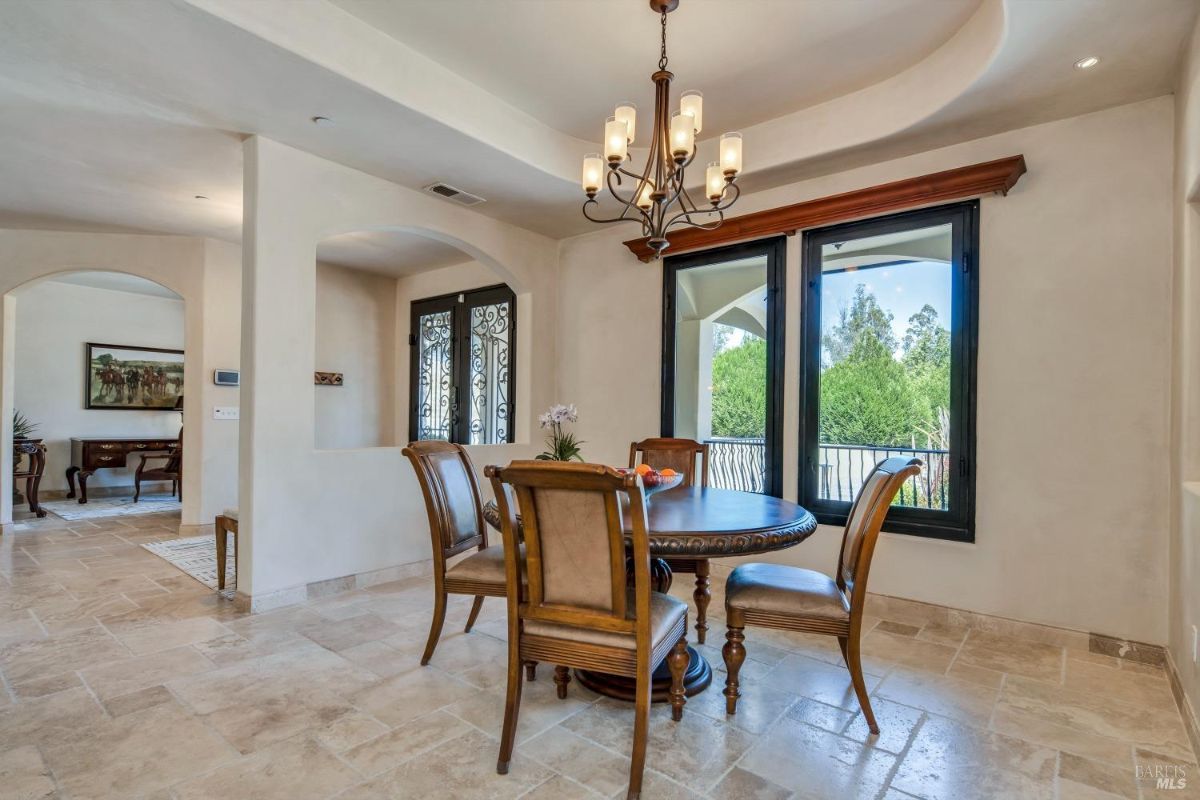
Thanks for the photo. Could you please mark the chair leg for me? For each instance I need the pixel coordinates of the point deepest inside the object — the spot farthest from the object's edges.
(677, 662)
(221, 545)
(562, 677)
(854, 663)
(734, 653)
(702, 595)
(641, 729)
(478, 604)
(512, 709)
(435, 627)
(531, 670)
(137, 489)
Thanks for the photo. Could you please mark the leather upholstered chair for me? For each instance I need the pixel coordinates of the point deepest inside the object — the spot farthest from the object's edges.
(456, 526)
(795, 599)
(680, 455)
(576, 608)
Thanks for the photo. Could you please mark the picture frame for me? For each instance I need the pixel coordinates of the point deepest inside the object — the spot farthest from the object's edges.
(131, 378)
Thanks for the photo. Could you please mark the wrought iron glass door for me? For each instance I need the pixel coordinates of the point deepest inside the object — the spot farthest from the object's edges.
(463, 349)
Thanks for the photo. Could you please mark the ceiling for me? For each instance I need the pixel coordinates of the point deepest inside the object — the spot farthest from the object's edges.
(117, 115)
(570, 63)
(115, 282)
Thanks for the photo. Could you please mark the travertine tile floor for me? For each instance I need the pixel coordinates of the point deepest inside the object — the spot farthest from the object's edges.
(124, 678)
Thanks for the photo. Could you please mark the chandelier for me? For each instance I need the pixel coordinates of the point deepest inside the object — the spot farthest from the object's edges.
(657, 197)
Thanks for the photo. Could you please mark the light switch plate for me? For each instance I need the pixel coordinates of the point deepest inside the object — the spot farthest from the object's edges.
(225, 412)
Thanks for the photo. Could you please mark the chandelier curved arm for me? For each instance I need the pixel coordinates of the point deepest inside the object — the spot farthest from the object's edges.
(622, 218)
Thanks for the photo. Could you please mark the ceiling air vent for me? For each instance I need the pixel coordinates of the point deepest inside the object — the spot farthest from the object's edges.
(457, 195)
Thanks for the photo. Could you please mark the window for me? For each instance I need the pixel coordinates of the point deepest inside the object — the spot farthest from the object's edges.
(463, 348)
(722, 340)
(890, 332)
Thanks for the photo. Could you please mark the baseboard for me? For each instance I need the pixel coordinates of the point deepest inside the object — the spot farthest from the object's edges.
(258, 603)
(1185, 704)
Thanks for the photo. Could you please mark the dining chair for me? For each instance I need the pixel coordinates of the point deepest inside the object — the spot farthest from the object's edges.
(226, 523)
(804, 600)
(680, 455)
(577, 607)
(456, 526)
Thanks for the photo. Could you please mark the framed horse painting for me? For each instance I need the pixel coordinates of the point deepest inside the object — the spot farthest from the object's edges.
(132, 378)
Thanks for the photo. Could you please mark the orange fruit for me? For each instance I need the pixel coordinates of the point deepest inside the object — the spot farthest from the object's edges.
(642, 469)
(668, 473)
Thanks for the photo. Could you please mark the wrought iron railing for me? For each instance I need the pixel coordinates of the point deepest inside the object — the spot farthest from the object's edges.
(845, 467)
(737, 464)
(741, 464)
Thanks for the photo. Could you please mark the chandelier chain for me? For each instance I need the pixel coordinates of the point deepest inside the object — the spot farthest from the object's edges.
(662, 59)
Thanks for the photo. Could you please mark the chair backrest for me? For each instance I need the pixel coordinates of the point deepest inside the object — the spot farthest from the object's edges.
(864, 523)
(571, 515)
(451, 498)
(175, 461)
(677, 454)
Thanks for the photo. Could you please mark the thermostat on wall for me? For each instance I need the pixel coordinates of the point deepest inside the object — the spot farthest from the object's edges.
(225, 377)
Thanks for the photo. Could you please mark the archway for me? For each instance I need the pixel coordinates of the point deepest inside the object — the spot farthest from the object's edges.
(95, 354)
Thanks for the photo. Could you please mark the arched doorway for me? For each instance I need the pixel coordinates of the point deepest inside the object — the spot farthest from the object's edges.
(97, 375)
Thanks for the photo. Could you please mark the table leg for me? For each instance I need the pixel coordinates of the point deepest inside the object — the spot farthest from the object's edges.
(71, 481)
(84, 474)
(695, 680)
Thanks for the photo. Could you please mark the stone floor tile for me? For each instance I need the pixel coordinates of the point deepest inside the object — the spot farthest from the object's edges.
(1117, 778)
(139, 672)
(800, 757)
(402, 697)
(817, 680)
(950, 761)
(24, 775)
(948, 697)
(462, 767)
(137, 753)
(541, 708)
(580, 759)
(406, 741)
(292, 769)
(1012, 655)
(560, 788)
(739, 784)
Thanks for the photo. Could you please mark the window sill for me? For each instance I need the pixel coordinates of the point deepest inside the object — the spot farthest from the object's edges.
(925, 530)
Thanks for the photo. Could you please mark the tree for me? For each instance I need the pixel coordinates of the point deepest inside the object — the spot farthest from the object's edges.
(926, 343)
(739, 399)
(867, 397)
(927, 362)
(864, 315)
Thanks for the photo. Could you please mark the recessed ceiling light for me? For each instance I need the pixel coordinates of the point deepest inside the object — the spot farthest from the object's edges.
(323, 122)
(1087, 63)
(201, 197)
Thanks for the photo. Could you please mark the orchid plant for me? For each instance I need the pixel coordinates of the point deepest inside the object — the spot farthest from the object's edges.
(561, 446)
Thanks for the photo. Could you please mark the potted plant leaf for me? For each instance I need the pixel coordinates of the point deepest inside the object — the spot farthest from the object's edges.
(23, 429)
(561, 446)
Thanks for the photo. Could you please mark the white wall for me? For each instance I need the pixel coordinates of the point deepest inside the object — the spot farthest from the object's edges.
(1075, 271)
(205, 273)
(355, 335)
(54, 320)
(306, 514)
(1185, 418)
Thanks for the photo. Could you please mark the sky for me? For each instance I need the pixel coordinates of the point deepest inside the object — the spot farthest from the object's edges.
(901, 289)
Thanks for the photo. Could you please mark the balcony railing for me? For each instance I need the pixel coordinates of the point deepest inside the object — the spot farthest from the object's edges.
(741, 464)
(737, 464)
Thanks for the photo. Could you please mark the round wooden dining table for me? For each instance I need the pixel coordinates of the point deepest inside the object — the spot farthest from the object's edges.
(689, 523)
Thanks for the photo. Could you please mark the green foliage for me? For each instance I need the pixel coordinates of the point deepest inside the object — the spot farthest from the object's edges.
(739, 402)
(868, 399)
(561, 447)
(863, 316)
(23, 427)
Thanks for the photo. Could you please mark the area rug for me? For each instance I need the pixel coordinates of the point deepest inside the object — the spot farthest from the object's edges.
(112, 506)
(197, 556)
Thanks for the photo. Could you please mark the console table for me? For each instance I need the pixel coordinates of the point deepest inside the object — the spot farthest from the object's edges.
(90, 453)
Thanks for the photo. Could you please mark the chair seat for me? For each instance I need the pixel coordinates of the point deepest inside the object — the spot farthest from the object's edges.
(230, 512)
(788, 591)
(483, 566)
(667, 620)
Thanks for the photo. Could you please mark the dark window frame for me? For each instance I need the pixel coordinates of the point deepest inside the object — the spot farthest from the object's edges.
(958, 523)
(459, 304)
(775, 249)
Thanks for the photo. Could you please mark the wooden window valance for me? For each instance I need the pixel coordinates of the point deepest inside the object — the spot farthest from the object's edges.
(953, 184)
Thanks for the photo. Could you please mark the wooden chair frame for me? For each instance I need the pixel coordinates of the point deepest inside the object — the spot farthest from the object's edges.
(853, 586)
(700, 567)
(437, 507)
(171, 471)
(514, 486)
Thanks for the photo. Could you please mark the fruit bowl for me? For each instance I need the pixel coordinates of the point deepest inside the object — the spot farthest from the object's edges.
(654, 481)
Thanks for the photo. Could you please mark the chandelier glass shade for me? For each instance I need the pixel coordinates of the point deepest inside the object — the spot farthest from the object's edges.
(657, 196)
